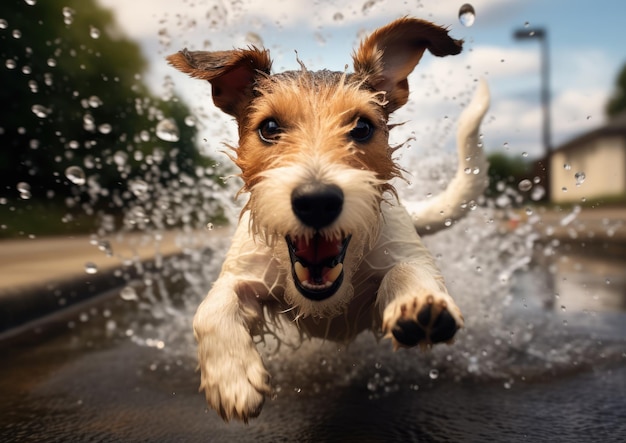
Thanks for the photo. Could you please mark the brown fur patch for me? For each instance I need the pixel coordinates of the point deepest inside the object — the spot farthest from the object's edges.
(316, 112)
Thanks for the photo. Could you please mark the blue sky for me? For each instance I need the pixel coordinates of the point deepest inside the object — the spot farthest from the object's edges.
(587, 45)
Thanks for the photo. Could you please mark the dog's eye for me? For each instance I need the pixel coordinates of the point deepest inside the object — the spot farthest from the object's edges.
(363, 131)
(270, 131)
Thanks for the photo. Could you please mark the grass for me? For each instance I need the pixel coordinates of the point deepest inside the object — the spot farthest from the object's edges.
(26, 218)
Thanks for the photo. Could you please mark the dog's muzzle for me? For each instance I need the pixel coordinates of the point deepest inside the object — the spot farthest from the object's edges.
(317, 262)
(317, 265)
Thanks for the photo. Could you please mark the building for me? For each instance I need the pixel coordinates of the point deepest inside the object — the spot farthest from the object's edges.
(591, 166)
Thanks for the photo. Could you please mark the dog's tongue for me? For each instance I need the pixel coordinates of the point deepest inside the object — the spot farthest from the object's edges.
(317, 249)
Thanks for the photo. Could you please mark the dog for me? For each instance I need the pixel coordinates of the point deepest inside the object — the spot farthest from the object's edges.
(323, 238)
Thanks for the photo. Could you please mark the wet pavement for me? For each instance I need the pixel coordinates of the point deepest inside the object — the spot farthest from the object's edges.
(82, 385)
(110, 368)
(93, 373)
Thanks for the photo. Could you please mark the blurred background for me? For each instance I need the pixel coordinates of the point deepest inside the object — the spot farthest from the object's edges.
(116, 198)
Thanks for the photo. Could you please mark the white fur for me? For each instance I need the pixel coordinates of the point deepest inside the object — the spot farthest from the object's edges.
(386, 263)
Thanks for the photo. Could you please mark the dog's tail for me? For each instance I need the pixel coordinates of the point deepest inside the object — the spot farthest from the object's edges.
(470, 180)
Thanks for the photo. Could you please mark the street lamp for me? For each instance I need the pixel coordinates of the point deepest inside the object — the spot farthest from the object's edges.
(542, 167)
(541, 35)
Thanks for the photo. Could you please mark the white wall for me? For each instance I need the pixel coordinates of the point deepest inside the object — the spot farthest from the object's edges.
(603, 161)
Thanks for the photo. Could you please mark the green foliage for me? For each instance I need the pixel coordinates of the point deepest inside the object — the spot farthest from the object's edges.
(70, 99)
(617, 103)
(505, 169)
(72, 96)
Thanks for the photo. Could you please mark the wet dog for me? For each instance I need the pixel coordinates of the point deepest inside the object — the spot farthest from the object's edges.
(323, 238)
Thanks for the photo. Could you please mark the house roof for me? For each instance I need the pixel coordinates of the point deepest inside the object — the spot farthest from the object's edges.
(615, 126)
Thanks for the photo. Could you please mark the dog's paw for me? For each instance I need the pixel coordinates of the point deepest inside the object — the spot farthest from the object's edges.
(233, 378)
(422, 320)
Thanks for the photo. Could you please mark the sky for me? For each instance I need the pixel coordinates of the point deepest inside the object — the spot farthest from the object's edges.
(586, 52)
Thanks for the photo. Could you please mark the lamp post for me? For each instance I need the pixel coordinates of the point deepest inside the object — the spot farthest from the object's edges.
(542, 166)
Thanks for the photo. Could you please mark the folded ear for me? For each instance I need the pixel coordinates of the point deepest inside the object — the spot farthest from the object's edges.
(231, 73)
(386, 58)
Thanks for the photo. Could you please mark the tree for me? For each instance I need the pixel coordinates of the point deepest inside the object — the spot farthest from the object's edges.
(617, 102)
(72, 97)
(505, 170)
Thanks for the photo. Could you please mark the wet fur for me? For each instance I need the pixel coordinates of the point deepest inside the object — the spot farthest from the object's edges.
(390, 281)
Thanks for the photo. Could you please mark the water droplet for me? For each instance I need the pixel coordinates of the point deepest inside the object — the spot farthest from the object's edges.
(105, 246)
(105, 128)
(580, 178)
(94, 32)
(40, 111)
(128, 294)
(94, 101)
(24, 189)
(120, 158)
(467, 15)
(448, 222)
(468, 171)
(210, 226)
(525, 185)
(254, 39)
(567, 166)
(369, 4)
(30, 2)
(433, 374)
(68, 15)
(538, 193)
(563, 308)
(76, 175)
(10, 64)
(51, 62)
(338, 16)
(190, 121)
(89, 122)
(139, 188)
(91, 268)
(16, 33)
(3, 23)
(167, 130)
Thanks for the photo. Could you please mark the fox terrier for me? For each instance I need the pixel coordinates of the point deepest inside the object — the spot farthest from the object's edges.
(323, 238)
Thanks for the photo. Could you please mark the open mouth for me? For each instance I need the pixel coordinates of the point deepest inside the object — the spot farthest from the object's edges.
(317, 265)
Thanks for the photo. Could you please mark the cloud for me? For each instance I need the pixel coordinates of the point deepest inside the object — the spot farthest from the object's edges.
(324, 35)
(139, 18)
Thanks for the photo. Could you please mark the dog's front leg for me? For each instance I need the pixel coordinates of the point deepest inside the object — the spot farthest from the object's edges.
(415, 305)
(232, 373)
(233, 376)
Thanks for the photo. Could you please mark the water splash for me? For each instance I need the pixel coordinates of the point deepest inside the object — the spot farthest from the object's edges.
(166, 291)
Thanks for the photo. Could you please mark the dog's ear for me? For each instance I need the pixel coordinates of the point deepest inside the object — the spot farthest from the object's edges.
(231, 73)
(389, 54)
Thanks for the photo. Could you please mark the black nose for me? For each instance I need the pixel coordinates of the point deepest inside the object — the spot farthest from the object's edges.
(316, 204)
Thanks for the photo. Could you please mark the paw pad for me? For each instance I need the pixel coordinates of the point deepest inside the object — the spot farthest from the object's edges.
(431, 324)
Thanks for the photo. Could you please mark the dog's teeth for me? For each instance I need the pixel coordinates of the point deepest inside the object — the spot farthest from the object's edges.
(334, 273)
(302, 273)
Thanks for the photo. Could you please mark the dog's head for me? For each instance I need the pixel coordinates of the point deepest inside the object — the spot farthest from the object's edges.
(314, 152)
